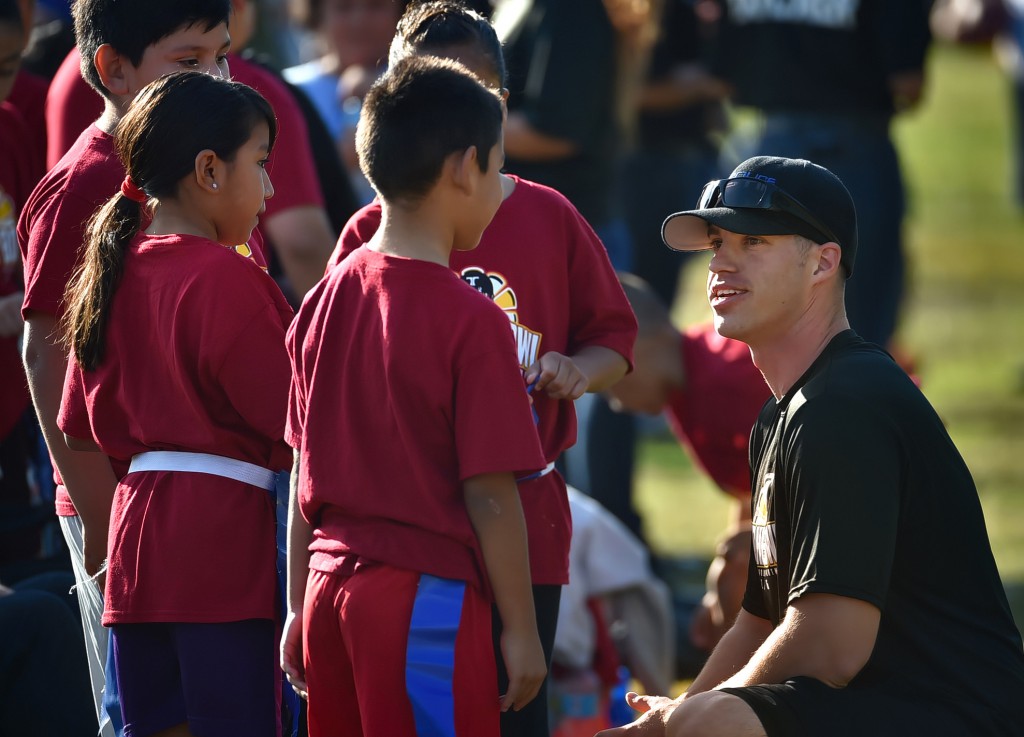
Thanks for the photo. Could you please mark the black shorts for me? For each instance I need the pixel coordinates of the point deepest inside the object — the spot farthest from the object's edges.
(806, 707)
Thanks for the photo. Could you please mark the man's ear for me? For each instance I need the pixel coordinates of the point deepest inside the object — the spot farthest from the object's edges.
(463, 166)
(829, 258)
(110, 66)
(209, 171)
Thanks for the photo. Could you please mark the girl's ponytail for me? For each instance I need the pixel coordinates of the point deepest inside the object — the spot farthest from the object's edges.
(91, 290)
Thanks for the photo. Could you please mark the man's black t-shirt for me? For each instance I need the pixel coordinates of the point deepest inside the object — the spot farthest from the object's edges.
(858, 491)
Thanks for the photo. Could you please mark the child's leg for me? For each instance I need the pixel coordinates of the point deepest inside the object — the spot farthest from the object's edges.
(531, 720)
(219, 678)
(367, 670)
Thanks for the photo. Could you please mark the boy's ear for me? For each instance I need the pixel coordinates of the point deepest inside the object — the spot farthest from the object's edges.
(209, 171)
(463, 165)
(110, 66)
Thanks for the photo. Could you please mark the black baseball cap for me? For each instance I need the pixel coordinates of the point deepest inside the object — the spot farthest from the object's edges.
(797, 197)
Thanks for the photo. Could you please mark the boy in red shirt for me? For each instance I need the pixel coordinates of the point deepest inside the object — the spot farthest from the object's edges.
(533, 261)
(125, 46)
(295, 226)
(410, 420)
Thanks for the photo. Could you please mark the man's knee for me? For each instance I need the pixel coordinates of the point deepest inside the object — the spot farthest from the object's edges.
(714, 714)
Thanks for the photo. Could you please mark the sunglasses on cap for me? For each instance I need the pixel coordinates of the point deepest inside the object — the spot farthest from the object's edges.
(759, 195)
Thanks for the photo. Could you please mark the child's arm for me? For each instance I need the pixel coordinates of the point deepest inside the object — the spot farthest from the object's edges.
(492, 501)
(300, 535)
(87, 476)
(592, 369)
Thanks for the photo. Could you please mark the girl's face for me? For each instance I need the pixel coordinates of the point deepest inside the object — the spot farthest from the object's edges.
(246, 188)
(359, 32)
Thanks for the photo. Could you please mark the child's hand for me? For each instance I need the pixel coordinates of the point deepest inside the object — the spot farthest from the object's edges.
(558, 375)
(525, 665)
(291, 653)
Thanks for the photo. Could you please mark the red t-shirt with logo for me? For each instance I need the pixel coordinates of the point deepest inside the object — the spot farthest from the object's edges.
(194, 361)
(713, 416)
(405, 383)
(542, 264)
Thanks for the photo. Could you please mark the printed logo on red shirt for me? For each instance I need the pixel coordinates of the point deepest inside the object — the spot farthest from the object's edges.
(496, 287)
(245, 251)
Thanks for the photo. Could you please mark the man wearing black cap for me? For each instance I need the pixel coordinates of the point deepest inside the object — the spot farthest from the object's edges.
(873, 603)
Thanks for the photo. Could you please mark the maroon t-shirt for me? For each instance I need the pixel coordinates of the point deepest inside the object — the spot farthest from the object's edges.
(542, 264)
(194, 361)
(405, 383)
(713, 416)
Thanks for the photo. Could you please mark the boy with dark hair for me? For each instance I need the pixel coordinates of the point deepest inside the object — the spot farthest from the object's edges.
(295, 227)
(570, 340)
(410, 421)
(125, 45)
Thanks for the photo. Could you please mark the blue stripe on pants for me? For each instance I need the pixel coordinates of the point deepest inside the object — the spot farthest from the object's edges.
(430, 655)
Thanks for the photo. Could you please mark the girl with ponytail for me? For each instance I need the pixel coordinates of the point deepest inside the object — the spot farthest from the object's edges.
(178, 367)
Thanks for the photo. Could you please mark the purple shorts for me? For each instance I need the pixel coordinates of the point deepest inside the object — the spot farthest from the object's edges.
(220, 678)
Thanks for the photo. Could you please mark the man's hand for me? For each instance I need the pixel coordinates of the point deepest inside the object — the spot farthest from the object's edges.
(557, 375)
(291, 654)
(656, 711)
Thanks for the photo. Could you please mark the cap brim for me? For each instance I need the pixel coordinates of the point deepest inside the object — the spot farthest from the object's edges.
(688, 230)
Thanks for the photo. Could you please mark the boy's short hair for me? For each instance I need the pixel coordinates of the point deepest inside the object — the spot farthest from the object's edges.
(132, 26)
(416, 115)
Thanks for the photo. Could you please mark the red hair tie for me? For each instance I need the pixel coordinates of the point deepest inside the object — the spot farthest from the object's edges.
(132, 192)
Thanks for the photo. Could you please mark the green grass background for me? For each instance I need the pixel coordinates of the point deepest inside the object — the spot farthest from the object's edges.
(963, 319)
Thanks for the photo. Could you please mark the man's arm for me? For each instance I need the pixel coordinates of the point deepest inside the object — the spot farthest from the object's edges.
(823, 636)
(88, 477)
(303, 241)
(300, 535)
(733, 651)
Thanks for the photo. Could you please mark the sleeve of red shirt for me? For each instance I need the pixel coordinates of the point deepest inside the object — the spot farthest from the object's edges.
(291, 165)
(494, 429)
(599, 313)
(297, 391)
(50, 245)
